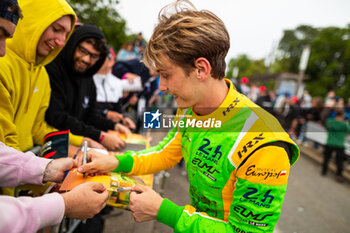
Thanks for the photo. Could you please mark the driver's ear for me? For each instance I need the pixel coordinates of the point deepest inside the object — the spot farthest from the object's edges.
(203, 68)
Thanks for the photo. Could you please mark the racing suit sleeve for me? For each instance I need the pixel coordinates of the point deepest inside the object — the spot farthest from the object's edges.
(155, 159)
(260, 184)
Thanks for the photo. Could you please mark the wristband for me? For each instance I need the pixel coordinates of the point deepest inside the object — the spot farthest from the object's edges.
(125, 75)
(102, 136)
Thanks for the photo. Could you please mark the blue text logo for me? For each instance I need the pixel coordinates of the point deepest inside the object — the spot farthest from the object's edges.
(151, 120)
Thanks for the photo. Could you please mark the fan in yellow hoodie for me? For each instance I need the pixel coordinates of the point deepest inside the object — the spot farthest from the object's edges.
(24, 84)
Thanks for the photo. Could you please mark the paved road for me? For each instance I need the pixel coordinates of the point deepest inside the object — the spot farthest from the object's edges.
(313, 203)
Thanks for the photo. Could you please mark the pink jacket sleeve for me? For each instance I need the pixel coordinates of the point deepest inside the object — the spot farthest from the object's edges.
(27, 214)
(17, 168)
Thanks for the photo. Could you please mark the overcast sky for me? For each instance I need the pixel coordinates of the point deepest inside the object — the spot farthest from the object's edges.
(255, 26)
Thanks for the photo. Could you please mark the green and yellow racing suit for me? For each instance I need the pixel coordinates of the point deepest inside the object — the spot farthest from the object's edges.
(237, 172)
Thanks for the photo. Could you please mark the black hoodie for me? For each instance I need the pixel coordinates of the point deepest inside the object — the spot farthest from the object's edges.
(73, 95)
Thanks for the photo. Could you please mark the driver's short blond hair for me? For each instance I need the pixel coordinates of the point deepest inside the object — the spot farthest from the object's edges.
(186, 34)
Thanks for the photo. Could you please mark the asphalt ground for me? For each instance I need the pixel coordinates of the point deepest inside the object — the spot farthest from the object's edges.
(314, 203)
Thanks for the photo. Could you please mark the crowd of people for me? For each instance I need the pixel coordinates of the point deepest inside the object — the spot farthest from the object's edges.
(330, 112)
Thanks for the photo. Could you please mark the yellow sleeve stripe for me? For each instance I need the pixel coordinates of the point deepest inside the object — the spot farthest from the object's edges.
(161, 149)
(159, 159)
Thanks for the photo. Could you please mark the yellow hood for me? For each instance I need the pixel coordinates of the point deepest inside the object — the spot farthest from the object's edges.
(37, 16)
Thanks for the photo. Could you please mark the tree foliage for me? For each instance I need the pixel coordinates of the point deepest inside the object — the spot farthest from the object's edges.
(292, 44)
(330, 53)
(247, 67)
(327, 67)
(103, 14)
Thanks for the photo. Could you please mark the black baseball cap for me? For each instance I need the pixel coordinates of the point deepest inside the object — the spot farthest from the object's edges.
(5, 13)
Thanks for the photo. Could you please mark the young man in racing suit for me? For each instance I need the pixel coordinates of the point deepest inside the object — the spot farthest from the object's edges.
(237, 155)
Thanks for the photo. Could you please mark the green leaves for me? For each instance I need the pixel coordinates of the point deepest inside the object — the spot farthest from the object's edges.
(104, 15)
(247, 67)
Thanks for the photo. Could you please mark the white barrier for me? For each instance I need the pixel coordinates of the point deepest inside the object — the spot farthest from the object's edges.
(317, 133)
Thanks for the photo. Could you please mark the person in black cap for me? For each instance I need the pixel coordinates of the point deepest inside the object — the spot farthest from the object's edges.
(9, 15)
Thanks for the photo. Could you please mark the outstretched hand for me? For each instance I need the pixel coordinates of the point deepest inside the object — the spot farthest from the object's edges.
(92, 143)
(129, 123)
(144, 203)
(55, 170)
(85, 200)
(98, 163)
(122, 129)
(112, 142)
